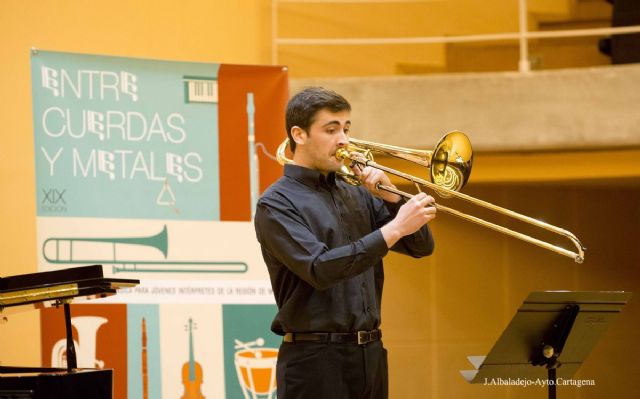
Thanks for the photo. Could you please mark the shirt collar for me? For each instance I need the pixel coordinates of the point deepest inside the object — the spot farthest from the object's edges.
(309, 177)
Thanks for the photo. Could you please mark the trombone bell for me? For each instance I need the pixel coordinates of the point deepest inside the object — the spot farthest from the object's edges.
(451, 161)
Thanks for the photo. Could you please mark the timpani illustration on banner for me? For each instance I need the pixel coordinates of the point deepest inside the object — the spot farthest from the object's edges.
(256, 368)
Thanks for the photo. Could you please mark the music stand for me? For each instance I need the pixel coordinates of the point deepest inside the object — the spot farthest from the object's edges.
(550, 329)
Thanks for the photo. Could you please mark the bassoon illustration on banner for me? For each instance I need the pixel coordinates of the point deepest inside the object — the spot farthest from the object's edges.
(145, 373)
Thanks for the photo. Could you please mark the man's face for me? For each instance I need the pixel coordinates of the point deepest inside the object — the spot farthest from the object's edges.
(316, 149)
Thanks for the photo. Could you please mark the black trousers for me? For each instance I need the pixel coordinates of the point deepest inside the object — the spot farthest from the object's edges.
(308, 370)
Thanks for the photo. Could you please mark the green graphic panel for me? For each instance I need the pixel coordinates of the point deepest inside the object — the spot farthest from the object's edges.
(250, 350)
(125, 138)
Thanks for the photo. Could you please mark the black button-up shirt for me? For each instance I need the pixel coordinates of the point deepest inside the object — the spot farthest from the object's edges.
(321, 242)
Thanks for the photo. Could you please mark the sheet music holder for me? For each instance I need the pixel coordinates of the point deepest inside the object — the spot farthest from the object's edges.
(57, 288)
(549, 337)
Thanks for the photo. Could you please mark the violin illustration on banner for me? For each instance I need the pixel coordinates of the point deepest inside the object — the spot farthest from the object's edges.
(191, 372)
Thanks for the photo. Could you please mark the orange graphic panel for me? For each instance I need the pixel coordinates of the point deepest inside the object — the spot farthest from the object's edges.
(100, 335)
(270, 88)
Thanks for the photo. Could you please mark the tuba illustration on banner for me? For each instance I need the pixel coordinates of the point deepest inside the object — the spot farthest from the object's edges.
(130, 254)
(87, 328)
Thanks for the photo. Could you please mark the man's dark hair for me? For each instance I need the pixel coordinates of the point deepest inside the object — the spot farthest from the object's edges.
(302, 108)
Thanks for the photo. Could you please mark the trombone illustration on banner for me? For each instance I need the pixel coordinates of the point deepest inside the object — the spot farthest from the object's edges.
(109, 250)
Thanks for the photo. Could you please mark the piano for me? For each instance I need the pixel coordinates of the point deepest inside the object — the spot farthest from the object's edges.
(57, 288)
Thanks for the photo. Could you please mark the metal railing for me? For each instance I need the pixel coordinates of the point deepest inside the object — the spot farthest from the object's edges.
(523, 35)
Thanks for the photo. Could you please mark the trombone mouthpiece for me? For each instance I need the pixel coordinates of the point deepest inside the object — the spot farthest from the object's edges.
(342, 153)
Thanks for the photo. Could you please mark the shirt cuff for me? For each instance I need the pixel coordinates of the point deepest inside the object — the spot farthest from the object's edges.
(375, 245)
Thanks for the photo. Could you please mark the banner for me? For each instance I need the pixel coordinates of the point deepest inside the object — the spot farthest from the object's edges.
(152, 169)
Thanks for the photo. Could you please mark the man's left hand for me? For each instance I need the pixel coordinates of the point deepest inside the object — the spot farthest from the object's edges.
(370, 177)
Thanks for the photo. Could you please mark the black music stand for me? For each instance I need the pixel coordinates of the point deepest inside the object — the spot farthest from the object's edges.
(551, 329)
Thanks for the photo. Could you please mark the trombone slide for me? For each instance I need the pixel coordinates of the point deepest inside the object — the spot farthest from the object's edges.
(577, 256)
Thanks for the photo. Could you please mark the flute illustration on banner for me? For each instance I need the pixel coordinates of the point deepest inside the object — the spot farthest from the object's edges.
(254, 171)
(89, 250)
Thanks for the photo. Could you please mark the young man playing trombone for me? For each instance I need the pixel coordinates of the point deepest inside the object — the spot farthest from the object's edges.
(323, 241)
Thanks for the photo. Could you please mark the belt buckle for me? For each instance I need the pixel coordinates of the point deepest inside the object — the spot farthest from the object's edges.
(364, 337)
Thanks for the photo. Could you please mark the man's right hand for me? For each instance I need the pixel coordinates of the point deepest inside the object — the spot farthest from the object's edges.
(414, 214)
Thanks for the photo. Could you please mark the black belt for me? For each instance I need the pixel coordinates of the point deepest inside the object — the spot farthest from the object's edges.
(360, 337)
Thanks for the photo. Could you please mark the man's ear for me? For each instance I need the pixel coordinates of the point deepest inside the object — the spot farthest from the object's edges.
(299, 135)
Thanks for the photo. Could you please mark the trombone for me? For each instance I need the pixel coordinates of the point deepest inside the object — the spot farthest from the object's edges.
(450, 167)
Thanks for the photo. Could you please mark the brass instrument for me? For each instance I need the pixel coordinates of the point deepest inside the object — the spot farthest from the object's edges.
(107, 250)
(450, 167)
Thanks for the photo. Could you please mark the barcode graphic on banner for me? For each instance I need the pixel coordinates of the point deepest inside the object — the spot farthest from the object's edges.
(201, 90)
